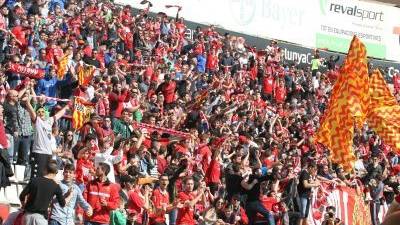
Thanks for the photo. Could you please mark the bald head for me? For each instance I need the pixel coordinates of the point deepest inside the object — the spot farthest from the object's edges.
(12, 95)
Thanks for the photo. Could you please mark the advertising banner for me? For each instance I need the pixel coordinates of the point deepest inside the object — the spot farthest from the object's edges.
(375, 24)
(350, 206)
(328, 24)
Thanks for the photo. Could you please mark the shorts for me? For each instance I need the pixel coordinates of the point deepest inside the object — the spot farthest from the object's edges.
(305, 204)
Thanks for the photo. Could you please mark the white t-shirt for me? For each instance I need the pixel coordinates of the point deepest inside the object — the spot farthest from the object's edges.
(42, 137)
(106, 157)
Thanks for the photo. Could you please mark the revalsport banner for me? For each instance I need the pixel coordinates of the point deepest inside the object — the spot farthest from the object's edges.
(328, 24)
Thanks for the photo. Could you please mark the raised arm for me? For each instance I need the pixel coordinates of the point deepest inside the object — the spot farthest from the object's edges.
(30, 109)
(61, 113)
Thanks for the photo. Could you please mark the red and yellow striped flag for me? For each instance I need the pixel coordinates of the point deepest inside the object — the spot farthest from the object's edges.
(384, 113)
(62, 66)
(85, 74)
(81, 113)
(348, 106)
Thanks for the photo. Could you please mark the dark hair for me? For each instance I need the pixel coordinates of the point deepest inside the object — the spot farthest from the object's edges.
(236, 167)
(90, 137)
(187, 179)
(105, 167)
(40, 107)
(69, 167)
(52, 167)
(312, 165)
(216, 201)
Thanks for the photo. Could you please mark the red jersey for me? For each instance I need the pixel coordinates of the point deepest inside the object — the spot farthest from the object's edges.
(159, 199)
(213, 173)
(204, 153)
(280, 94)
(94, 192)
(268, 85)
(212, 62)
(83, 168)
(186, 214)
(168, 90)
(135, 205)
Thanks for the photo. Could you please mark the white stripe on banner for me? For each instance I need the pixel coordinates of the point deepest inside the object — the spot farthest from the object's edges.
(382, 212)
(345, 196)
(99, 194)
(337, 205)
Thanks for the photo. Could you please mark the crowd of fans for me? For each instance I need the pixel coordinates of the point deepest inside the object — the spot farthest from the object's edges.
(249, 114)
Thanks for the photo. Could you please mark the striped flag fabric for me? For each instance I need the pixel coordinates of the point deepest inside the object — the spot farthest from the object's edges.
(62, 67)
(85, 74)
(348, 107)
(384, 113)
(81, 113)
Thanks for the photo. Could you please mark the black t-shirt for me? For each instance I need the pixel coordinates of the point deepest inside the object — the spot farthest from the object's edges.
(303, 191)
(254, 193)
(182, 86)
(40, 191)
(233, 184)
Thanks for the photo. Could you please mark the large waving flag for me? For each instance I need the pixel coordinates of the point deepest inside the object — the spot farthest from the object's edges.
(81, 113)
(384, 113)
(85, 74)
(347, 107)
(62, 66)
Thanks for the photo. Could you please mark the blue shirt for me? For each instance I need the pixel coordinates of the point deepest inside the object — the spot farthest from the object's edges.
(53, 3)
(201, 63)
(66, 215)
(48, 86)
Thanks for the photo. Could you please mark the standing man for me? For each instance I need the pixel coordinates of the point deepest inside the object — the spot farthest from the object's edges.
(307, 181)
(161, 202)
(102, 195)
(11, 122)
(168, 89)
(253, 204)
(22, 143)
(41, 151)
(36, 196)
(188, 199)
(66, 215)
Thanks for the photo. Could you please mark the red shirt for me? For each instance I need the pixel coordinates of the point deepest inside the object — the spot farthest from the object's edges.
(19, 33)
(397, 199)
(268, 202)
(204, 153)
(116, 102)
(186, 214)
(94, 192)
(159, 199)
(213, 174)
(280, 94)
(168, 90)
(161, 164)
(212, 62)
(135, 205)
(83, 168)
(268, 85)
(396, 82)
